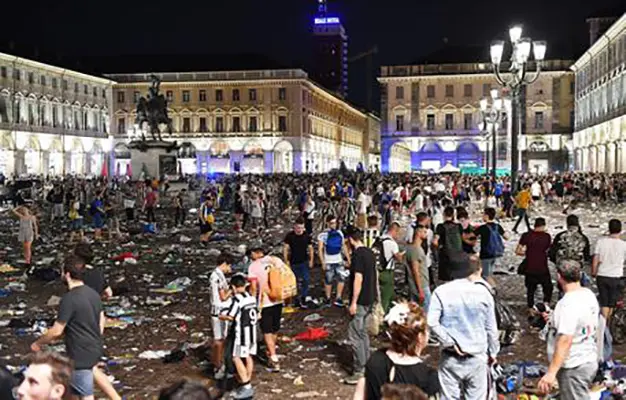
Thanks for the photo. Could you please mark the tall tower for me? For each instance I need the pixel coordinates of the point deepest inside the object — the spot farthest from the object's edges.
(330, 62)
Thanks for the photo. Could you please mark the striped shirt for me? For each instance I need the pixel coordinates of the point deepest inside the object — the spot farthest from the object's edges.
(243, 309)
(370, 237)
(217, 282)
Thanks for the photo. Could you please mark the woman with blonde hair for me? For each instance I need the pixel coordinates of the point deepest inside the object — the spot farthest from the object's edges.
(28, 231)
(401, 362)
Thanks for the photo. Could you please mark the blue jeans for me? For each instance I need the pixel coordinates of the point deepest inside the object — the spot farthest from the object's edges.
(301, 271)
(488, 264)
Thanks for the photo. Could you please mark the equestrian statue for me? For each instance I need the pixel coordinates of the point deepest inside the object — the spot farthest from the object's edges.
(153, 111)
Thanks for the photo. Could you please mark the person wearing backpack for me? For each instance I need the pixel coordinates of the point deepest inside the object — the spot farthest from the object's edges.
(453, 261)
(330, 248)
(387, 252)
(491, 236)
(271, 309)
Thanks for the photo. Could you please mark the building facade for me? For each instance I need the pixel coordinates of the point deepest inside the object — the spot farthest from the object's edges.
(600, 132)
(330, 52)
(431, 117)
(52, 120)
(248, 121)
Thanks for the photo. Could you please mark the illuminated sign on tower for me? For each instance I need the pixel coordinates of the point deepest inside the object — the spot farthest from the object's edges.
(330, 68)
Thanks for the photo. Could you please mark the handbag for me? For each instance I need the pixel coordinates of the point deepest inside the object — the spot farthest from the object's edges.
(375, 318)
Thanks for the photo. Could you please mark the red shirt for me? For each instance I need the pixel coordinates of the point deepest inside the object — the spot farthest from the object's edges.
(537, 246)
(151, 199)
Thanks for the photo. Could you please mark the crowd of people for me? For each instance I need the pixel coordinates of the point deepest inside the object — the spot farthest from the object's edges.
(363, 231)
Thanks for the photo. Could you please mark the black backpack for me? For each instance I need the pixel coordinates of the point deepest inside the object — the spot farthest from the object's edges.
(379, 254)
(454, 242)
(508, 325)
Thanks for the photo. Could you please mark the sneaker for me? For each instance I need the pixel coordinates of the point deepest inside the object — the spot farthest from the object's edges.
(328, 303)
(353, 379)
(244, 392)
(273, 366)
(303, 305)
(220, 373)
(339, 303)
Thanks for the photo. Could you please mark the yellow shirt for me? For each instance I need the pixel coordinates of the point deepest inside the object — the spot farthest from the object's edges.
(523, 199)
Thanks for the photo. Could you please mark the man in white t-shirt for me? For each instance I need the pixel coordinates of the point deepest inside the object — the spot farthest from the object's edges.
(392, 254)
(572, 337)
(608, 267)
(535, 191)
(271, 311)
(309, 212)
(219, 294)
(363, 201)
(331, 246)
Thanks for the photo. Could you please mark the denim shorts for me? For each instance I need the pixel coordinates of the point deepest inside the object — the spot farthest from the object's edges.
(335, 272)
(488, 264)
(82, 382)
(77, 224)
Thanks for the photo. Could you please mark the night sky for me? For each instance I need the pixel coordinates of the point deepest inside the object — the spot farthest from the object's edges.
(403, 30)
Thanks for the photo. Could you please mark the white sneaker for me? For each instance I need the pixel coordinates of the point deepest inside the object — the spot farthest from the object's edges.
(220, 373)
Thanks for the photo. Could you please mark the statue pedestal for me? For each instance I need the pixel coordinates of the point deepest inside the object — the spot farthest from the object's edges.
(152, 159)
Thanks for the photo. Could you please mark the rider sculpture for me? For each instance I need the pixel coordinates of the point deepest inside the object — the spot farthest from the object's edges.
(153, 111)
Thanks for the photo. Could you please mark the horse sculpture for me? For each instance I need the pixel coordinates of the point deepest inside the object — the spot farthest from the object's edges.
(153, 111)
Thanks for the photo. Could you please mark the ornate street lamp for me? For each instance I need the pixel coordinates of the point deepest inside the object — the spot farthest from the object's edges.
(516, 78)
(492, 117)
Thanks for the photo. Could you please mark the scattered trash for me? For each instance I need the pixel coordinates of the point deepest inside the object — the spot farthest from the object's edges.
(53, 301)
(313, 318)
(153, 355)
(6, 268)
(306, 395)
(312, 334)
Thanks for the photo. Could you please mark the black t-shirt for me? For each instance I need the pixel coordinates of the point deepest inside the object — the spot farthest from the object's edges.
(299, 247)
(441, 232)
(377, 374)
(453, 264)
(94, 278)
(364, 262)
(80, 310)
(484, 232)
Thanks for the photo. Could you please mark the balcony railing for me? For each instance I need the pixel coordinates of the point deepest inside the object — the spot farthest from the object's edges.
(199, 135)
(465, 68)
(52, 130)
(607, 116)
(213, 76)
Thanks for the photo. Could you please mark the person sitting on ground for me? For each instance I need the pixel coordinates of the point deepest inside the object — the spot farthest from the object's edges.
(186, 390)
(401, 363)
(47, 378)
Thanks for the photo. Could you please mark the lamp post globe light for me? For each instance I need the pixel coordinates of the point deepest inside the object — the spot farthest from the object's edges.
(493, 115)
(515, 79)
